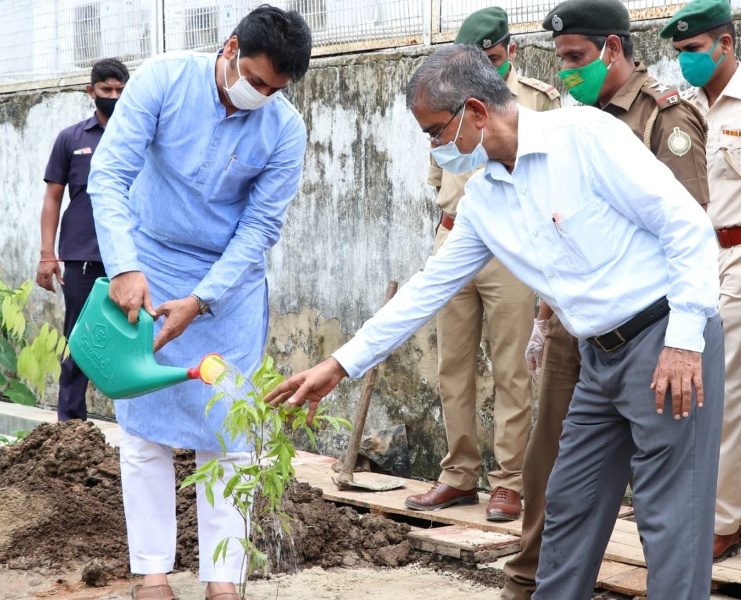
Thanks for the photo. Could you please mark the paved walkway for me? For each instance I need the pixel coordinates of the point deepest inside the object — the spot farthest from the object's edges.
(15, 417)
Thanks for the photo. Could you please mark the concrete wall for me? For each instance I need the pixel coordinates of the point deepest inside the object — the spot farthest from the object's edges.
(364, 216)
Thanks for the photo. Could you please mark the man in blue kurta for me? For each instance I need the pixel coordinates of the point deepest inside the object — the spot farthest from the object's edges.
(190, 186)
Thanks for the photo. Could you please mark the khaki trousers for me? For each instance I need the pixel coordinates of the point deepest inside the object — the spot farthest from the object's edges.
(561, 366)
(509, 306)
(728, 499)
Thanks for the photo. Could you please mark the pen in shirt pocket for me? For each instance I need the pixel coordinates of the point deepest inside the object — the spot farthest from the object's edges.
(557, 221)
(229, 161)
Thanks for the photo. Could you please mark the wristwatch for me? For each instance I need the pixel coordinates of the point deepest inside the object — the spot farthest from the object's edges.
(202, 306)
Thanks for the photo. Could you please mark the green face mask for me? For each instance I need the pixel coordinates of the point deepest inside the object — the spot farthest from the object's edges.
(503, 69)
(585, 83)
(698, 67)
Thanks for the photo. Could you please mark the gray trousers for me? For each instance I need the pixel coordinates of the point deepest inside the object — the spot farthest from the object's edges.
(611, 431)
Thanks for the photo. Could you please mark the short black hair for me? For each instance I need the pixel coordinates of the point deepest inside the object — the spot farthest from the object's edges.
(728, 28)
(505, 41)
(283, 36)
(107, 68)
(625, 40)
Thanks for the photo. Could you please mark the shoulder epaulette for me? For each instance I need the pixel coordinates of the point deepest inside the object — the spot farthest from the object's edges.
(541, 86)
(663, 95)
(690, 94)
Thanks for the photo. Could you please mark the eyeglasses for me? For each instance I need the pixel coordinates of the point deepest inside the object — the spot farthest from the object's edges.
(434, 137)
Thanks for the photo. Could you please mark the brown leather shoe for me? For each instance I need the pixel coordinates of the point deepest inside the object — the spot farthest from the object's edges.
(441, 495)
(504, 505)
(152, 592)
(725, 546)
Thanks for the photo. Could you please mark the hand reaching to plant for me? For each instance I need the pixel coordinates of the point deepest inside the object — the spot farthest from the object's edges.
(312, 385)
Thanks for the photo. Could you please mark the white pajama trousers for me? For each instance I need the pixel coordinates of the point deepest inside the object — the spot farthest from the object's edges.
(149, 494)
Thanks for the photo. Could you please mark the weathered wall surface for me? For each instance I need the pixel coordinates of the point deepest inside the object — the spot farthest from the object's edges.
(364, 216)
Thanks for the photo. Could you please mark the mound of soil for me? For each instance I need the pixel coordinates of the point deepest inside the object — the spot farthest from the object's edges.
(61, 505)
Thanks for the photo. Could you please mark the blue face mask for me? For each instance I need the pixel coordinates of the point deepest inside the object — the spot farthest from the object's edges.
(698, 67)
(452, 160)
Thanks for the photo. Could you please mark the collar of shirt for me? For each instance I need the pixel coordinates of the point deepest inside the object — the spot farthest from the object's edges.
(627, 94)
(92, 123)
(513, 80)
(530, 140)
(732, 90)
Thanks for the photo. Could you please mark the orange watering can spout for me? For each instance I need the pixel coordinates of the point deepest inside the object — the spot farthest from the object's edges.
(209, 369)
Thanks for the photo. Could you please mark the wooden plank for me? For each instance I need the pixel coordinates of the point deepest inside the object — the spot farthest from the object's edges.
(630, 583)
(611, 568)
(469, 544)
(625, 544)
(317, 471)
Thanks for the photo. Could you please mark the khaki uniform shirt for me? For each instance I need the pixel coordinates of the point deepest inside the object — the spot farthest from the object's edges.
(723, 152)
(670, 126)
(529, 93)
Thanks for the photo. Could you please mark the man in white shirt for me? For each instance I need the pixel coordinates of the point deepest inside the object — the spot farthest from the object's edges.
(582, 212)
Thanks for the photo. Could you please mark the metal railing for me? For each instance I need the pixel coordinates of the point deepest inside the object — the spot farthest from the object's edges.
(55, 42)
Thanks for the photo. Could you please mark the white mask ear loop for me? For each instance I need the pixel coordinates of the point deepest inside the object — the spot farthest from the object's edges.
(460, 123)
(601, 54)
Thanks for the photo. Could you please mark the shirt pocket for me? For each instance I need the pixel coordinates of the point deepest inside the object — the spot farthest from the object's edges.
(235, 181)
(588, 245)
(727, 157)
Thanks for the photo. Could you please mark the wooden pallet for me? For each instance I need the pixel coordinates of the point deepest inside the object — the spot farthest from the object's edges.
(623, 569)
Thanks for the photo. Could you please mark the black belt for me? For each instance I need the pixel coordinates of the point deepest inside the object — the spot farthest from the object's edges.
(612, 340)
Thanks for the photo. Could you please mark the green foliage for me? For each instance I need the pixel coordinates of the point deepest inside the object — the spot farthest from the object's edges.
(28, 355)
(15, 437)
(256, 490)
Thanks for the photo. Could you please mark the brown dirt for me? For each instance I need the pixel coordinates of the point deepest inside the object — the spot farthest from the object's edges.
(63, 534)
(61, 507)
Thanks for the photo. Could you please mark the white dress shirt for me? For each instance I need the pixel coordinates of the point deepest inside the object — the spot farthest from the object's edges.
(588, 218)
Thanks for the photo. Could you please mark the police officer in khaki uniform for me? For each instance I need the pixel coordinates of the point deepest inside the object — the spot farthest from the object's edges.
(509, 307)
(704, 33)
(592, 39)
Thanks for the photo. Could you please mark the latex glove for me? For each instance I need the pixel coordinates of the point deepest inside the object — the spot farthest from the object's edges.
(534, 350)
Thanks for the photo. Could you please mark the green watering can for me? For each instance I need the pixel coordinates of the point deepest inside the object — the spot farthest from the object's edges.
(117, 355)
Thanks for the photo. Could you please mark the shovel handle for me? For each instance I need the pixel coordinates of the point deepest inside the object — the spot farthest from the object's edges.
(369, 381)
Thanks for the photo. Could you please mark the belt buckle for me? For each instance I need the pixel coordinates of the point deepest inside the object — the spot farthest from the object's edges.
(608, 350)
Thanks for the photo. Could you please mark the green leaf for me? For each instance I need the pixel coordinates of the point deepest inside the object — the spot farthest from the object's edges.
(8, 355)
(20, 394)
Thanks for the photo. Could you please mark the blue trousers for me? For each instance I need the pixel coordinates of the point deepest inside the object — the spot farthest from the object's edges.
(79, 278)
(612, 432)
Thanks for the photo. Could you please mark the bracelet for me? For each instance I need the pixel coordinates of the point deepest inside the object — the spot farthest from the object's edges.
(50, 260)
(202, 305)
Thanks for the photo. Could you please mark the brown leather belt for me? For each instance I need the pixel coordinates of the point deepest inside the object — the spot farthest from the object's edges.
(447, 221)
(730, 237)
(612, 340)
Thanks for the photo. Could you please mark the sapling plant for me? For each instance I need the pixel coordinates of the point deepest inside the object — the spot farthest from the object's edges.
(28, 354)
(256, 490)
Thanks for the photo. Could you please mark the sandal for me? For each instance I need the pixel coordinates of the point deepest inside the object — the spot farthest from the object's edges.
(224, 596)
(152, 592)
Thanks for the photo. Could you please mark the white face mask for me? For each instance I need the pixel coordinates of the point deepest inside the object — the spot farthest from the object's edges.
(449, 158)
(242, 95)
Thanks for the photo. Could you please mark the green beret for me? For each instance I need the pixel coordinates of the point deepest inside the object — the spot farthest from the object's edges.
(697, 17)
(589, 17)
(485, 28)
